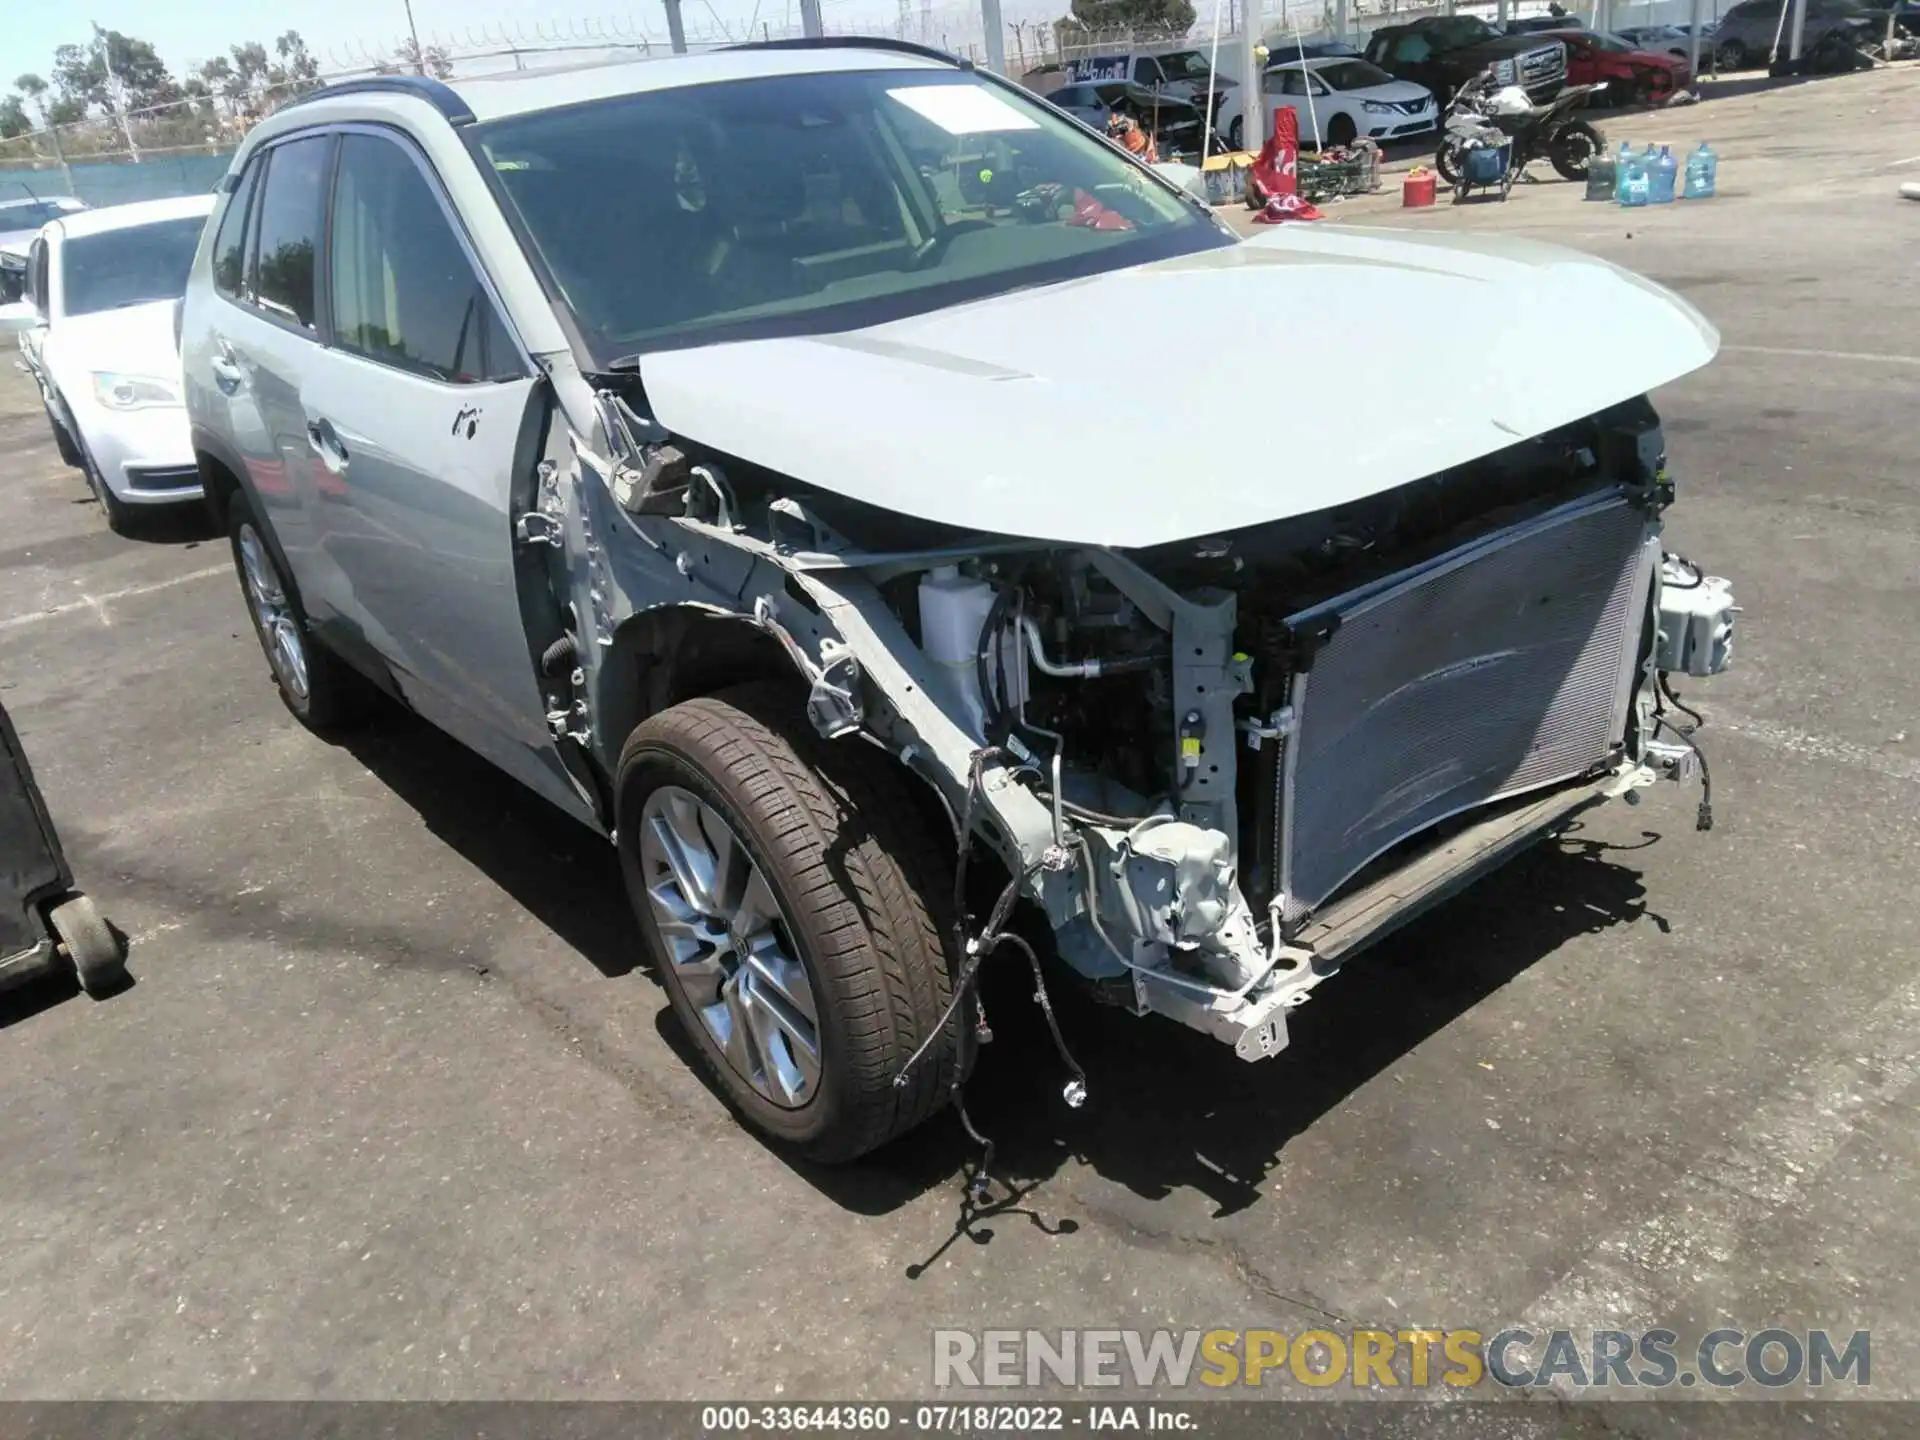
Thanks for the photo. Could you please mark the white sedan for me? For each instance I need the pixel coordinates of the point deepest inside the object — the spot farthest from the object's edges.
(1338, 99)
(97, 329)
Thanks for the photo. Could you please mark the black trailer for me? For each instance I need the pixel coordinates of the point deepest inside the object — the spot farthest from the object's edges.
(44, 921)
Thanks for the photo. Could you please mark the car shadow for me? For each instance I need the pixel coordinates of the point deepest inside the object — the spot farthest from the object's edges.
(1169, 1108)
(186, 525)
(556, 869)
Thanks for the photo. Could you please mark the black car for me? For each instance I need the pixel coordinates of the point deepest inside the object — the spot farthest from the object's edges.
(1534, 24)
(1443, 52)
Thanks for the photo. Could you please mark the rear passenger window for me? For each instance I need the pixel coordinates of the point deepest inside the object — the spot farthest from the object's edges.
(230, 244)
(403, 291)
(289, 229)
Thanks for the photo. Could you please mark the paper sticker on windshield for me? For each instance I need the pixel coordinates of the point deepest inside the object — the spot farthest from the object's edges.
(963, 109)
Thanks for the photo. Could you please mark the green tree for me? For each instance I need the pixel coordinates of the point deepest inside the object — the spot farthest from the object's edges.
(14, 120)
(411, 59)
(114, 73)
(1172, 18)
(253, 81)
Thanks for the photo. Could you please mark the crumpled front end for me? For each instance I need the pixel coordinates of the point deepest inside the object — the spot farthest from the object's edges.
(1222, 765)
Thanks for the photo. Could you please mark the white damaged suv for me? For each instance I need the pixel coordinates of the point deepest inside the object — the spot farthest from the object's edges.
(739, 451)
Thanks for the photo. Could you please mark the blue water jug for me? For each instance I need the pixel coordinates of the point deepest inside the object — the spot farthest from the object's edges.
(1702, 166)
(1636, 181)
(1666, 171)
(1621, 165)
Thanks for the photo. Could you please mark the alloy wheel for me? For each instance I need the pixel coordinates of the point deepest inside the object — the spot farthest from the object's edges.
(273, 613)
(722, 929)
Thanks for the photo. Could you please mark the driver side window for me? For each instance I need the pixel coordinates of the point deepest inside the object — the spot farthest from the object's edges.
(403, 291)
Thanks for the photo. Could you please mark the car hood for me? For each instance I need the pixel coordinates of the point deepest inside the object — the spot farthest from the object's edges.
(1400, 92)
(132, 340)
(1342, 363)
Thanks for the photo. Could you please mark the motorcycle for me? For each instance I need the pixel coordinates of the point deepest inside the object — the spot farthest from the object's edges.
(1483, 113)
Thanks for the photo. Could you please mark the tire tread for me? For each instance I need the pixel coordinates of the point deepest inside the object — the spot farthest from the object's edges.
(883, 954)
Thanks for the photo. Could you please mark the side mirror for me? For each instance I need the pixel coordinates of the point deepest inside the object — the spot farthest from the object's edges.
(17, 317)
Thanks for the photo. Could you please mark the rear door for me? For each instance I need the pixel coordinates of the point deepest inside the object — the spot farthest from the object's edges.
(423, 418)
(266, 336)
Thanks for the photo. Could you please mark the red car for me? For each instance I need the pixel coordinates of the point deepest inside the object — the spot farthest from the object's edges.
(1632, 77)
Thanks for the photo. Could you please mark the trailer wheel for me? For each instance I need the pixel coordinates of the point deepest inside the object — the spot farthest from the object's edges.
(89, 942)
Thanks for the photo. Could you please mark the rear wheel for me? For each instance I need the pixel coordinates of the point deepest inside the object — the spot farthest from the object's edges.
(791, 894)
(1730, 55)
(1234, 133)
(1574, 149)
(321, 690)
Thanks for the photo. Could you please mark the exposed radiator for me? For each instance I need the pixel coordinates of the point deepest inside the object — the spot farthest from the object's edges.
(1494, 669)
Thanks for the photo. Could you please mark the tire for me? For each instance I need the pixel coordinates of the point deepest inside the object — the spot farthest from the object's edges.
(121, 518)
(99, 960)
(1730, 56)
(1574, 148)
(1341, 131)
(1235, 132)
(1445, 163)
(321, 691)
(855, 887)
(63, 442)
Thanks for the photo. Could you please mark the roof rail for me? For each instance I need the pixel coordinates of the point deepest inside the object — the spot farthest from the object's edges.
(856, 42)
(436, 93)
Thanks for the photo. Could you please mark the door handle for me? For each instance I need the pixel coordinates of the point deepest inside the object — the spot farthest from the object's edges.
(325, 441)
(226, 374)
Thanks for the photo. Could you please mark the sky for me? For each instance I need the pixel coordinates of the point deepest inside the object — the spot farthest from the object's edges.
(337, 31)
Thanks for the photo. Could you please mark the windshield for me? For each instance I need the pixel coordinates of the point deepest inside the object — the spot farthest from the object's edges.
(1184, 65)
(1457, 30)
(806, 203)
(1352, 75)
(1611, 42)
(116, 268)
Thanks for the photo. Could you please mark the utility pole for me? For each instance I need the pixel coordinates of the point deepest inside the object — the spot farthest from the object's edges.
(810, 22)
(114, 89)
(1253, 102)
(996, 36)
(676, 28)
(1799, 32)
(413, 32)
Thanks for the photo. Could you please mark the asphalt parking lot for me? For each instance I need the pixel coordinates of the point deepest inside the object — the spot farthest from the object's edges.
(391, 1113)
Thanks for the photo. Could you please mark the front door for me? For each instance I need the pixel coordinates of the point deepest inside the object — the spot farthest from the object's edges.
(421, 419)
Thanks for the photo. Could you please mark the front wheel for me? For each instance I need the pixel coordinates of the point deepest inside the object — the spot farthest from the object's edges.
(1730, 56)
(120, 517)
(1574, 148)
(63, 442)
(790, 890)
(1341, 131)
(1447, 161)
(1234, 133)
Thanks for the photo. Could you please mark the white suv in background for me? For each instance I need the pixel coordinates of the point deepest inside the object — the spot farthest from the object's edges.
(97, 329)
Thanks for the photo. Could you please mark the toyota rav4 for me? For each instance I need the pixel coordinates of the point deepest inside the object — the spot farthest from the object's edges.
(730, 449)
